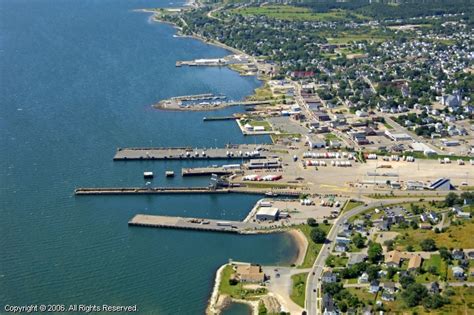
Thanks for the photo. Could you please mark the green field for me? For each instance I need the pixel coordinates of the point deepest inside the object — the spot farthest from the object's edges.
(313, 248)
(351, 204)
(456, 236)
(292, 13)
(298, 288)
(435, 261)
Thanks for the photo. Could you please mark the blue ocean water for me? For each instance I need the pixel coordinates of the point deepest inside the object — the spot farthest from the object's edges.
(77, 78)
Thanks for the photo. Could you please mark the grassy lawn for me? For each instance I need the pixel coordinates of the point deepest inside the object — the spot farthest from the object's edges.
(313, 248)
(298, 289)
(462, 302)
(363, 294)
(387, 125)
(456, 236)
(262, 94)
(330, 136)
(291, 13)
(435, 261)
(261, 123)
(351, 204)
(276, 137)
(336, 261)
(236, 291)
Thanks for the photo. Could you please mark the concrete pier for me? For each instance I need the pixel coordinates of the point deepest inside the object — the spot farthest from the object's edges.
(202, 171)
(245, 152)
(192, 224)
(184, 190)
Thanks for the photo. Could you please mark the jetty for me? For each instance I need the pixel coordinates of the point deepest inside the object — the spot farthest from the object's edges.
(244, 152)
(169, 222)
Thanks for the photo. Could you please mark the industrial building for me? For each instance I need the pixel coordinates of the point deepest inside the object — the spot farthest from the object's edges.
(267, 214)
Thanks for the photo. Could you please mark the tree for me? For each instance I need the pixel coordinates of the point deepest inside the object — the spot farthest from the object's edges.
(358, 240)
(391, 272)
(374, 252)
(373, 272)
(445, 254)
(342, 306)
(318, 235)
(435, 301)
(312, 222)
(332, 288)
(451, 199)
(428, 245)
(406, 281)
(414, 294)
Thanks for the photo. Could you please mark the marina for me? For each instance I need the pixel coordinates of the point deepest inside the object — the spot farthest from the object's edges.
(170, 222)
(236, 152)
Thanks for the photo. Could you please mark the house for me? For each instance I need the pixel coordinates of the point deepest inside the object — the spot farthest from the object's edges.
(387, 296)
(458, 272)
(414, 263)
(340, 248)
(328, 305)
(389, 287)
(363, 278)
(425, 226)
(452, 100)
(433, 216)
(374, 286)
(250, 273)
(434, 288)
(393, 258)
(328, 277)
(356, 258)
(458, 254)
(342, 240)
(470, 255)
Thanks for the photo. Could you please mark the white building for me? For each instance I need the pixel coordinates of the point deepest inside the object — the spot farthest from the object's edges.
(267, 214)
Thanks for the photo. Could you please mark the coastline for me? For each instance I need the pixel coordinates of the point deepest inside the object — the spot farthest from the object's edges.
(301, 244)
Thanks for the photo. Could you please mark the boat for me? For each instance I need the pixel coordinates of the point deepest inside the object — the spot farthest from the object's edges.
(147, 174)
(271, 194)
(169, 174)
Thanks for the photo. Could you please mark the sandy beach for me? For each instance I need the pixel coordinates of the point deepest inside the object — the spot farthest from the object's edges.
(301, 244)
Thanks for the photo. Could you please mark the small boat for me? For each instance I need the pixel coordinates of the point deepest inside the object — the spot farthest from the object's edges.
(271, 194)
(169, 174)
(148, 174)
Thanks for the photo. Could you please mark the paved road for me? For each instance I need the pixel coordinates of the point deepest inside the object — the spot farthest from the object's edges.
(313, 297)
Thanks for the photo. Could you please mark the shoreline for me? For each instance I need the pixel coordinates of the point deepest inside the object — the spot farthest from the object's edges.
(301, 244)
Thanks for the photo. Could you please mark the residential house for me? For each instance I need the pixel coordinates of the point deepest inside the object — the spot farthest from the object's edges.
(363, 278)
(414, 263)
(328, 277)
(389, 287)
(458, 254)
(356, 258)
(374, 286)
(458, 272)
(393, 258)
(328, 305)
(250, 273)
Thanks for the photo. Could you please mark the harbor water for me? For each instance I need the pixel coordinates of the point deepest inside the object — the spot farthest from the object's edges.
(77, 80)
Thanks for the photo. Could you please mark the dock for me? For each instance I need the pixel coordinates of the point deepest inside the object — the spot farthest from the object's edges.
(202, 171)
(87, 191)
(220, 118)
(168, 222)
(243, 152)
